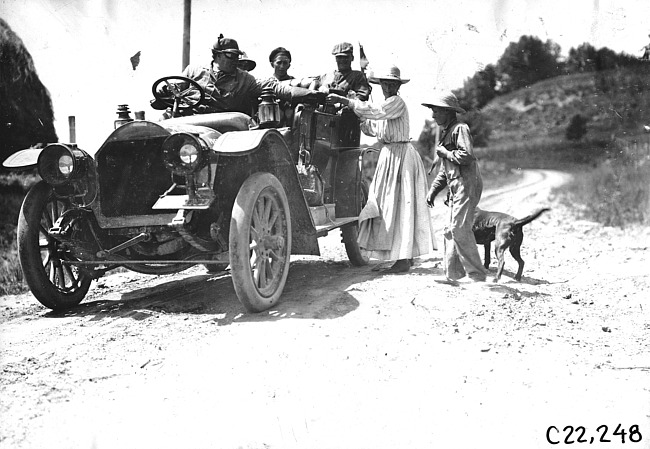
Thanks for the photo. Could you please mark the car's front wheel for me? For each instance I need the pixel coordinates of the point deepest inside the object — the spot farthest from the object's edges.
(260, 242)
(54, 284)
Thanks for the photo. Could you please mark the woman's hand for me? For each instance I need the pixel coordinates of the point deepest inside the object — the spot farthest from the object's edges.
(334, 98)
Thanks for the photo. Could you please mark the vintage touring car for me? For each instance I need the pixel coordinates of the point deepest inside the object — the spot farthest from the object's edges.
(216, 189)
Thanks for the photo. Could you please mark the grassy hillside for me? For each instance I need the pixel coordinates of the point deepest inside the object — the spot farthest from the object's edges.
(612, 160)
(615, 102)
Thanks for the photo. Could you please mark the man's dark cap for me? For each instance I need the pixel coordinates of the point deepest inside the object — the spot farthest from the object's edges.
(226, 45)
(279, 51)
(344, 48)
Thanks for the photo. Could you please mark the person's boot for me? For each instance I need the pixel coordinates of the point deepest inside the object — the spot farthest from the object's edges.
(401, 266)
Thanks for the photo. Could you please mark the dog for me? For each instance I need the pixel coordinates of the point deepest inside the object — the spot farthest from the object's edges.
(507, 233)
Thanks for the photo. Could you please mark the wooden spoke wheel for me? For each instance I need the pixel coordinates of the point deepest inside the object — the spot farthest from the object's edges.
(260, 242)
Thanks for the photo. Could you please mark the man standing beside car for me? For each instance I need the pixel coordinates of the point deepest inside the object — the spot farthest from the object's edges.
(460, 173)
(344, 78)
(230, 89)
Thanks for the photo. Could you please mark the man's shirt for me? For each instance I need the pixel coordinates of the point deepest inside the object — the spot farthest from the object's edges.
(233, 92)
(352, 80)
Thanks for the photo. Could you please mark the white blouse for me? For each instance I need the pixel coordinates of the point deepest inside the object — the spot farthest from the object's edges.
(388, 121)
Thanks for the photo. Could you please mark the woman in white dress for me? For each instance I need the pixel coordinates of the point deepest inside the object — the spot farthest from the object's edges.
(395, 224)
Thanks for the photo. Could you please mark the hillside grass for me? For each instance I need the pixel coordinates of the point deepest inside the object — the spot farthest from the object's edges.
(610, 164)
(615, 102)
(616, 192)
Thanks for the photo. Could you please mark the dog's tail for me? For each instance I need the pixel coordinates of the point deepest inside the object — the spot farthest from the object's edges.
(524, 221)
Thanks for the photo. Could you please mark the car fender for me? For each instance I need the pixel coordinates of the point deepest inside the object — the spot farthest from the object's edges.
(23, 159)
(240, 154)
(241, 143)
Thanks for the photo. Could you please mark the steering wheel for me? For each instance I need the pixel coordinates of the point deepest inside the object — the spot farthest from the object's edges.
(174, 96)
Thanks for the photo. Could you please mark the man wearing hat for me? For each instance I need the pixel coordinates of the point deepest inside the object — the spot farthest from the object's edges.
(231, 89)
(280, 59)
(344, 78)
(459, 172)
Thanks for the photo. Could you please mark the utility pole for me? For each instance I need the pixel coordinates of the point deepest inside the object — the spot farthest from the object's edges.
(187, 19)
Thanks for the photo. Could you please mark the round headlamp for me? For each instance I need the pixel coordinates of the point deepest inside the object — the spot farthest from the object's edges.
(183, 153)
(66, 165)
(189, 154)
(60, 164)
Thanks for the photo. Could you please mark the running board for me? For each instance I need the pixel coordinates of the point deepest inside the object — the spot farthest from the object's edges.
(333, 224)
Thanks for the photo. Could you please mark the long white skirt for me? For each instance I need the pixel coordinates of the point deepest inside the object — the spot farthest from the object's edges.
(395, 223)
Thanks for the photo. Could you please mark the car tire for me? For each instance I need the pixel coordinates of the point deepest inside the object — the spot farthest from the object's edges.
(54, 285)
(350, 232)
(260, 242)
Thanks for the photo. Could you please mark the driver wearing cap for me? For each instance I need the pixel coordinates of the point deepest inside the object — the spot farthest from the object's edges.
(228, 88)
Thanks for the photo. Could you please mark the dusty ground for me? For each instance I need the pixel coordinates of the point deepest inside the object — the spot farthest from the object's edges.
(349, 358)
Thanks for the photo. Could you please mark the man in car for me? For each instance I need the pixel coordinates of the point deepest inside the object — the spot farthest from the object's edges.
(344, 78)
(230, 89)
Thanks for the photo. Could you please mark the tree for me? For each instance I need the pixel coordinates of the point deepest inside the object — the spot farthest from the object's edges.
(525, 62)
(586, 58)
(581, 59)
(26, 115)
(478, 90)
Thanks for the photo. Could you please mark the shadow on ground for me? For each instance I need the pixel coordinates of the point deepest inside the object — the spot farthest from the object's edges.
(314, 290)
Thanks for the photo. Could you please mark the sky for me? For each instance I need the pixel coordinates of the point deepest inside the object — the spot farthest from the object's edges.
(81, 48)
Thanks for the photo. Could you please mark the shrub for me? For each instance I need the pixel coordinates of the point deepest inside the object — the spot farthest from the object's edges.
(13, 188)
(577, 128)
(479, 126)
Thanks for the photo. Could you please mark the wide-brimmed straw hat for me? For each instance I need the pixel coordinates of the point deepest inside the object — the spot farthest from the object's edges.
(245, 63)
(444, 100)
(391, 73)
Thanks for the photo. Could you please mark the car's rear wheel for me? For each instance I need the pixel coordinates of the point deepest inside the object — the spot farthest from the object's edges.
(54, 284)
(260, 242)
(350, 232)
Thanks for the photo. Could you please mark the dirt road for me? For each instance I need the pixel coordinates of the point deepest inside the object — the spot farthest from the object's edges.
(349, 358)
